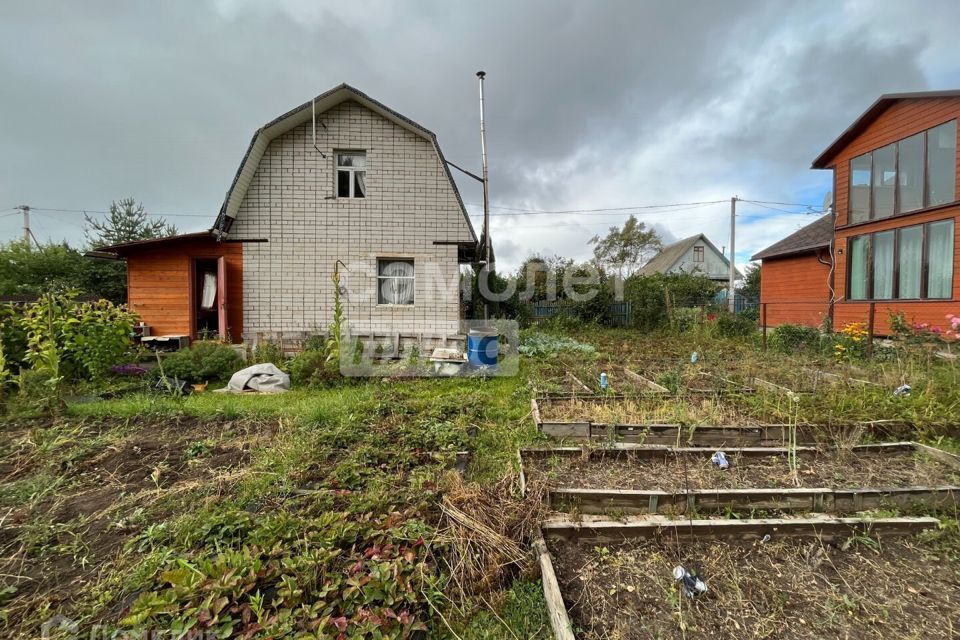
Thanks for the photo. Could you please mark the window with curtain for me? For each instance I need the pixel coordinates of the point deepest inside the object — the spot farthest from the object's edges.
(882, 247)
(891, 264)
(395, 281)
(940, 259)
(910, 262)
(351, 174)
(912, 174)
(860, 188)
(858, 268)
(884, 180)
(942, 163)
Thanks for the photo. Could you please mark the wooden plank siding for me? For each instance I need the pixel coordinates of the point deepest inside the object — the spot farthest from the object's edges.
(901, 120)
(795, 289)
(159, 284)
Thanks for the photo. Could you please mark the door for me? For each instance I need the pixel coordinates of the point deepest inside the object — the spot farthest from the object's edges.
(222, 297)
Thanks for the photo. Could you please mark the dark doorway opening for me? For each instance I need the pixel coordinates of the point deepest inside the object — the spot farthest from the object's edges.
(206, 303)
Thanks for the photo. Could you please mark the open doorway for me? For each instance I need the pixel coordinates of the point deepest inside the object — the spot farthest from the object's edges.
(209, 307)
(205, 303)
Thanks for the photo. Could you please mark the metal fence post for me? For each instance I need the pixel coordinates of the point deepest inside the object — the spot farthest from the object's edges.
(763, 324)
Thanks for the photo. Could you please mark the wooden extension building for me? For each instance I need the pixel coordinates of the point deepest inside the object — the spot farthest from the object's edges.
(890, 243)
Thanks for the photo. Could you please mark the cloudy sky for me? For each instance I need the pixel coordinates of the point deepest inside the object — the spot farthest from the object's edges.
(590, 105)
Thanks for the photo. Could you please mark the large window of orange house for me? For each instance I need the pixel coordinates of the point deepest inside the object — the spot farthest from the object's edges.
(912, 174)
(909, 263)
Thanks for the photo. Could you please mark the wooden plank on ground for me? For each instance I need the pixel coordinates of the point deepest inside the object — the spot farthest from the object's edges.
(654, 451)
(939, 454)
(535, 412)
(653, 386)
(579, 382)
(770, 386)
(627, 501)
(578, 430)
(556, 610)
(612, 531)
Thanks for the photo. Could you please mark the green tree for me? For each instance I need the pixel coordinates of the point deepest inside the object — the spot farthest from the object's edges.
(58, 268)
(30, 271)
(126, 222)
(623, 250)
(750, 285)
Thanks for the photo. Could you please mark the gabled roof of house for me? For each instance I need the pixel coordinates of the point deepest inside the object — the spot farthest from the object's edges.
(671, 254)
(815, 235)
(301, 114)
(872, 113)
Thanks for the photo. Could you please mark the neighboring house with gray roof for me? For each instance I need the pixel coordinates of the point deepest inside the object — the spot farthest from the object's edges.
(696, 255)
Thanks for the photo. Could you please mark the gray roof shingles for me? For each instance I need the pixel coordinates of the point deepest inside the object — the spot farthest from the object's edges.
(815, 235)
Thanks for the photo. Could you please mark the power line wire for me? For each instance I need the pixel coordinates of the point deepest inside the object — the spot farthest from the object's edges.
(152, 213)
(521, 211)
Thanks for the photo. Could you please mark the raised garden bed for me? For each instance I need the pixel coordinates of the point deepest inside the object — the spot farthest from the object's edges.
(813, 578)
(561, 417)
(684, 481)
(689, 468)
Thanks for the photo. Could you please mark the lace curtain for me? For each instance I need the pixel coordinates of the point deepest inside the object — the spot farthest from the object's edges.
(396, 282)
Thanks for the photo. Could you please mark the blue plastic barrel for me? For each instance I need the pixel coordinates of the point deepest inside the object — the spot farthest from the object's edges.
(483, 346)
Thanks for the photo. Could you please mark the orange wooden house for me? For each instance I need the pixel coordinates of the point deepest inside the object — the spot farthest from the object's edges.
(186, 285)
(893, 242)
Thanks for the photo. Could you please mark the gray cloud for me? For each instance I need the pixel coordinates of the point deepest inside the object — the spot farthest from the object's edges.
(589, 104)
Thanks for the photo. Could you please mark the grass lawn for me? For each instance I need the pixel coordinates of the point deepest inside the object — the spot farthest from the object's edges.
(325, 513)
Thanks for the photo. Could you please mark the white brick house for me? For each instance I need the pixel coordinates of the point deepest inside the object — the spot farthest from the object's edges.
(364, 187)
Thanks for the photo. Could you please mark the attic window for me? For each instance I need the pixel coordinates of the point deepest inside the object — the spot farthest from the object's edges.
(698, 253)
(351, 174)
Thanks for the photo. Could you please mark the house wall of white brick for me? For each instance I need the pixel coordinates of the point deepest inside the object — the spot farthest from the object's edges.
(291, 203)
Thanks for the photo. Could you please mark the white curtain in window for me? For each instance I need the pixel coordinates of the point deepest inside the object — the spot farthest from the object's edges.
(858, 268)
(360, 188)
(940, 259)
(209, 290)
(911, 261)
(396, 283)
(883, 265)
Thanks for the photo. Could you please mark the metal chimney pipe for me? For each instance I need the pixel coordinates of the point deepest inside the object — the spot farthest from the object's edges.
(486, 190)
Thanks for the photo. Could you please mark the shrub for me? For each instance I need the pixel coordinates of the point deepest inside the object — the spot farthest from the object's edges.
(86, 338)
(788, 338)
(268, 351)
(651, 297)
(203, 361)
(734, 325)
(310, 368)
(686, 319)
(13, 336)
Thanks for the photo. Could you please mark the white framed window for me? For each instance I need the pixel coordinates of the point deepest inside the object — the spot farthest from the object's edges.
(351, 174)
(395, 281)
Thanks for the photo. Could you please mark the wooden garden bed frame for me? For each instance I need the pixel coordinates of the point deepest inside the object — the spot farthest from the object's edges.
(812, 499)
(699, 435)
(605, 531)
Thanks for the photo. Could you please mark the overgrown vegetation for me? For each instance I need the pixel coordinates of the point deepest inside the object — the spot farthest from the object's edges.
(204, 361)
(331, 511)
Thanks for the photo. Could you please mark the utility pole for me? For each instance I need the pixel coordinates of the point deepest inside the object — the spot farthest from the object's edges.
(731, 292)
(25, 209)
(488, 267)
